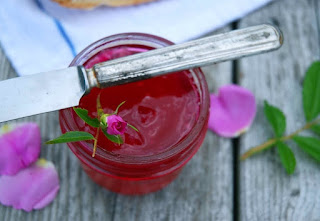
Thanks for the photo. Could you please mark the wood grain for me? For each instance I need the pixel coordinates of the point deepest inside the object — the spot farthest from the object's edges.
(266, 191)
(203, 191)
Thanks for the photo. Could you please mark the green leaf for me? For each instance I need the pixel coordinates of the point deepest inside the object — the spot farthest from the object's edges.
(83, 114)
(316, 129)
(116, 112)
(133, 127)
(72, 136)
(113, 138)
(310, 145)
(287, 157)
(276, 118)
(311, 92)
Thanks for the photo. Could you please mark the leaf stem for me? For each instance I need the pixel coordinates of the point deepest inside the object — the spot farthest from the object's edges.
(305, 127)
(273, 141)
(99, 108)
(258, 149)
(95, 142)
(100, 112)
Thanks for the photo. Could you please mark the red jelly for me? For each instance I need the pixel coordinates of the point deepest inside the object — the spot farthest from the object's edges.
(170, 111)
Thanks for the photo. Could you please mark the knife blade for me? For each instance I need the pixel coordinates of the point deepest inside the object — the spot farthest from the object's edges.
(54, 90)
(40, 93)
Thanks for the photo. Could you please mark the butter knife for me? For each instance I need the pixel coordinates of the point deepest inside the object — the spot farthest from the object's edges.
(54, 90)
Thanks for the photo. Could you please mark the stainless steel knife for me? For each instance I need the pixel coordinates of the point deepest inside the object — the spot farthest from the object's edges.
(54, 90)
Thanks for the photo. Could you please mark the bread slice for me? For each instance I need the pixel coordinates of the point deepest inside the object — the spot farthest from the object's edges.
(95, 3)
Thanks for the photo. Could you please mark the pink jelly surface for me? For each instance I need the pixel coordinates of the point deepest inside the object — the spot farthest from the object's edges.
(164, 109)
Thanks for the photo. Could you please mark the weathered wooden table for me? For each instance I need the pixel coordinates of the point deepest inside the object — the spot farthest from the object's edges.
(214, 185)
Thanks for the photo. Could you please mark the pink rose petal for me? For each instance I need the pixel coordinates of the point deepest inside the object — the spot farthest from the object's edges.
(32, 188)
(231, 111)
(19, 147)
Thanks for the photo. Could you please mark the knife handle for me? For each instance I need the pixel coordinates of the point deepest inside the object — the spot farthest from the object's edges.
(196, 53)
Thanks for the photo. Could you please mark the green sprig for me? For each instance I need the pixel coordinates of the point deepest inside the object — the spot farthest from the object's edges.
(277, 120)
(100, 123)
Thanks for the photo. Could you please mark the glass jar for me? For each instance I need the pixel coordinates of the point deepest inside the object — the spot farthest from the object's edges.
(138, 174)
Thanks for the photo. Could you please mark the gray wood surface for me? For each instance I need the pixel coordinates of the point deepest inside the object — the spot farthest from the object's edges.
(206, 188)
(203, 191)
(266, 191)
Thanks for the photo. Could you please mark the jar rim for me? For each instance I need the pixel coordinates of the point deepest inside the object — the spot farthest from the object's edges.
(155, 42)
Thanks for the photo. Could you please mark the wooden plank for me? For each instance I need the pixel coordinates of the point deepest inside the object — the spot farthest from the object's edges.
(79, 198)
(266, 191)
(203, 191)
